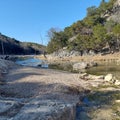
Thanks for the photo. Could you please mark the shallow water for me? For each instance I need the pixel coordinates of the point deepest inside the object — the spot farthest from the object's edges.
(102, 69)
(105, 69)
(32, 62)
(81, 111)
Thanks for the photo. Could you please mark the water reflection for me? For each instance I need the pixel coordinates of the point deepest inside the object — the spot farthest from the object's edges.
(105, 69)
(32, 62)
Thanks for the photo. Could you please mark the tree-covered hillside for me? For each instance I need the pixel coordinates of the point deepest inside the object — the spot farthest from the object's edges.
(94, 32)
(12, 46)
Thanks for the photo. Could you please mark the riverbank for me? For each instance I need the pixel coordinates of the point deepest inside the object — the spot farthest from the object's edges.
(34, 93)
(104, 98)
(96, 58)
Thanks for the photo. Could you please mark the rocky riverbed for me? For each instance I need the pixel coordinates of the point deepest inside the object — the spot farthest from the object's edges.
(44, 94)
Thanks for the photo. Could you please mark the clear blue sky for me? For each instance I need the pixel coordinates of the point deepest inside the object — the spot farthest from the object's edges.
(29, 20)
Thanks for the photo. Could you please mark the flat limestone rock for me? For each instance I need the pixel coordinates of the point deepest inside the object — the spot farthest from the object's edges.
(46, 110)
(36, 109)
(5, 105)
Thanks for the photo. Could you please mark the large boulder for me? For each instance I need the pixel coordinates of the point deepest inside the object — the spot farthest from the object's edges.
(80, 66)
(84, 65)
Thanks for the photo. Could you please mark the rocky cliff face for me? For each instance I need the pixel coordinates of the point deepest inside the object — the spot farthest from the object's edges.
(114, 13)
(12, 46)
(117, 3)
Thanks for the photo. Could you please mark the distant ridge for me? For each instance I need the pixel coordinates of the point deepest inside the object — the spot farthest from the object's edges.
(10, 46)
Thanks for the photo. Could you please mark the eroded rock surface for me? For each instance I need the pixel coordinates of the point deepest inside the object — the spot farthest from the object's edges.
(36, 109)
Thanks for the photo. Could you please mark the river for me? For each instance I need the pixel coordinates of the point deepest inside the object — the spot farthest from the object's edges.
(105, 69)
(32, 62)
(102, 69)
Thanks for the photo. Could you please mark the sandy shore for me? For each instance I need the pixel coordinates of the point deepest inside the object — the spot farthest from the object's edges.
(30, 82)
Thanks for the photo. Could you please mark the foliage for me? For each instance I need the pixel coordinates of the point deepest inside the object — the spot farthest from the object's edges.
(91, 11)
(109, 25)
(51, 32)
(59, 40)
(116, 30)
(93, 32)
(103, 6)
(110, 4)
(99, 32)
(82, 42)
(15, 47)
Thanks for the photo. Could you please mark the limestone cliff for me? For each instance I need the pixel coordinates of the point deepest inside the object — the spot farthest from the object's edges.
(114, 13)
